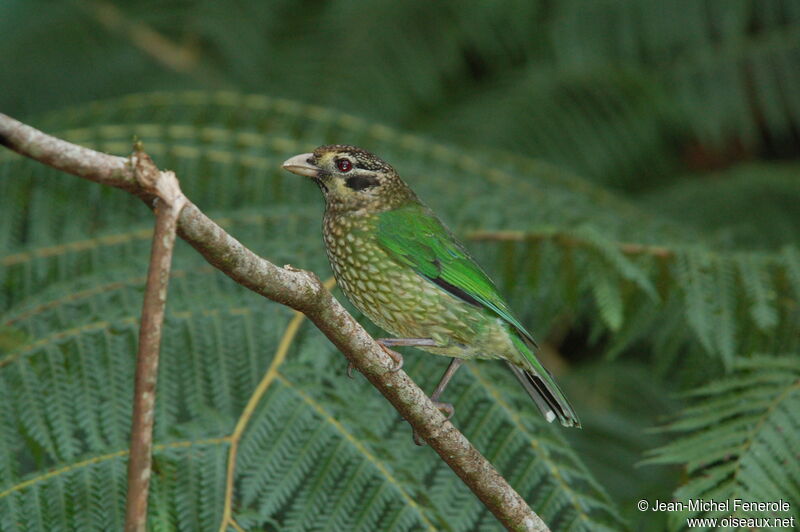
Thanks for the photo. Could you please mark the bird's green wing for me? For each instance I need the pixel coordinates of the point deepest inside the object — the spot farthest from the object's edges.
(414, 236)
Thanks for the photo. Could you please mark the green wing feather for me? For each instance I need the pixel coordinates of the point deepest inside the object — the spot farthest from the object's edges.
(414, 236)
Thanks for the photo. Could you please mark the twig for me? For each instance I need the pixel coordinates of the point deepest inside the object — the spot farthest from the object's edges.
(170, 201)
(304, 292)
(183, 58)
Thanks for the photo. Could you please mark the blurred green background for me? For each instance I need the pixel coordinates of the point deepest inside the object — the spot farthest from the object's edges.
(626, 170)
(630, 94)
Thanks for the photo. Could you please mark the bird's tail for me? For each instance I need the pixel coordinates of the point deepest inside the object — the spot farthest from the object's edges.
(542, 388)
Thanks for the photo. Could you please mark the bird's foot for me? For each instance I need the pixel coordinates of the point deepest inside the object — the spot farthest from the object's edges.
(397, 357)
(445, 408)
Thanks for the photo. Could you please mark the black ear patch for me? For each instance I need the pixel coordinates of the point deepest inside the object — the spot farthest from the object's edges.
(360, 182)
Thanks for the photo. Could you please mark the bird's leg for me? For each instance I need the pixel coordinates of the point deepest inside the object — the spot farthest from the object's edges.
(445, 408)
(385, 343)
(448, 374)
(410, 342)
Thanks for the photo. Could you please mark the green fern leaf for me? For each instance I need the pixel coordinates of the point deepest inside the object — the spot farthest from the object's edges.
(762, 295)
(738, 441)
(321, 450)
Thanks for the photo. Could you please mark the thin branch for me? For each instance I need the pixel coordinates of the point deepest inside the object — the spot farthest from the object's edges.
(157, 46)
(304, 292)
(163, 185)
(183, 58)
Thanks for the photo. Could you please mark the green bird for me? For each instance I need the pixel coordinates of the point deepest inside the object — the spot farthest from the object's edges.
(403, 269)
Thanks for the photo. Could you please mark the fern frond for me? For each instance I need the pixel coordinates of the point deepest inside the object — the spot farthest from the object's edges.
(304, 421)
(749, 206)
(791, 262)
(71, 294)
(756, 280)
(608, 298)
(723, 75)
(738, 440)
(634, 163)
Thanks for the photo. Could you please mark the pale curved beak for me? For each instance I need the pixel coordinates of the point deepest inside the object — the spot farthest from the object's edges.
(299, 165)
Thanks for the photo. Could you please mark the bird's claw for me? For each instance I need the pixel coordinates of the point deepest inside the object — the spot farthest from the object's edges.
(394, 355)
(445, 408)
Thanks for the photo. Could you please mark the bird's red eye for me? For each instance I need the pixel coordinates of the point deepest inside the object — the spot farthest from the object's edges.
(344, 165)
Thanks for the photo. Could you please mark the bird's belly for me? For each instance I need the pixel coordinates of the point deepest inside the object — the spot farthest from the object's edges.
(407, 305)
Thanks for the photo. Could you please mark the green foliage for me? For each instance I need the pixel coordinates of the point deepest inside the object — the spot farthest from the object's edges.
(752, 206)
(320, 450)
(549, 140)
(739, 438)
(624, 92)
(72, 282)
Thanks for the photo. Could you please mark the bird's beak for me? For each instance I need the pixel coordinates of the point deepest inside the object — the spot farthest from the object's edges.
(299, 165)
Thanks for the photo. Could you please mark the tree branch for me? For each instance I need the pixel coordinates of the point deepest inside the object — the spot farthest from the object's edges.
(163, 185)
(304, 292)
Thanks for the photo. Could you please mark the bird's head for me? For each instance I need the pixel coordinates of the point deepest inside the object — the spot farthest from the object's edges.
(351, 178)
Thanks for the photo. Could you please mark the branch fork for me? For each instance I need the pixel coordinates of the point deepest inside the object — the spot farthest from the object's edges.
(161, 184)
(169, 203)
